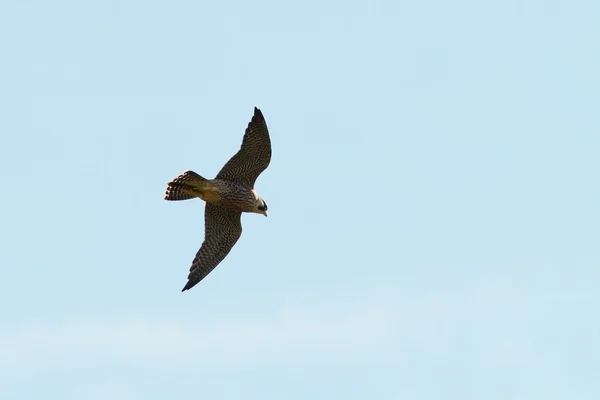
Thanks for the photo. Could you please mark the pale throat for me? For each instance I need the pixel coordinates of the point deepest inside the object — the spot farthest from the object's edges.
(256, 196)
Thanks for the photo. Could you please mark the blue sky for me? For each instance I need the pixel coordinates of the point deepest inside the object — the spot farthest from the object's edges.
(433, 200)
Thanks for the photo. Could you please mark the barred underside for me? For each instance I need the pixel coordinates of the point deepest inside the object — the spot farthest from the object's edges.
(186, 186)
(253, 157)
(222, 228)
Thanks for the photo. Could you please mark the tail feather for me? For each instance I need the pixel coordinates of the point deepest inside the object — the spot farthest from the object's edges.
(186, 186)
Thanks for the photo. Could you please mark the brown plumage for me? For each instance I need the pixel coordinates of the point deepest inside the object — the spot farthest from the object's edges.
(226, 196)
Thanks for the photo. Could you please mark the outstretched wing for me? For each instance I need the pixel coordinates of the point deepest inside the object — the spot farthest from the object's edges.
(254, 156)
(222, 228)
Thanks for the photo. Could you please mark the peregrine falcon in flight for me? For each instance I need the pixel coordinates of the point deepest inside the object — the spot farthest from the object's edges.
(226, 196)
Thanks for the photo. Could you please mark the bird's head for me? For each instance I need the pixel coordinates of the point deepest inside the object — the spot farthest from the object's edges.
(261, 207)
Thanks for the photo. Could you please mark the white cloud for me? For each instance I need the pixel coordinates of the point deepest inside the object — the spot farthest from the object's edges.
(495, 325)
(293, 334)
(103, 391)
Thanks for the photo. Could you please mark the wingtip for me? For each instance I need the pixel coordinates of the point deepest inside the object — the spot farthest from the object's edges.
(258, 115)
(188, 285)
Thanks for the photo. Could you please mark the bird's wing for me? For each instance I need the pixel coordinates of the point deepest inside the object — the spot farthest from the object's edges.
(222, 228)
(254, 156)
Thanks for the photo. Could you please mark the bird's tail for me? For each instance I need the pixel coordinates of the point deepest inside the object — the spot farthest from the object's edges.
(186, 186)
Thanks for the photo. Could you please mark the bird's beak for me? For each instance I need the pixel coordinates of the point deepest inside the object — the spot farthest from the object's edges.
(264, 213)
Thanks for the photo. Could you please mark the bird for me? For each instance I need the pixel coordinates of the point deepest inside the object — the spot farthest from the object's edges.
(227, 196)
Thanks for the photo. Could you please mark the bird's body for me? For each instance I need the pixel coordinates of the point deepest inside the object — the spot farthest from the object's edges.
(226, 196)
(235, 196)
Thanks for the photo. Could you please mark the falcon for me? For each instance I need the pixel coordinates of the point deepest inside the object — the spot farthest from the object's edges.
(227, 196)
